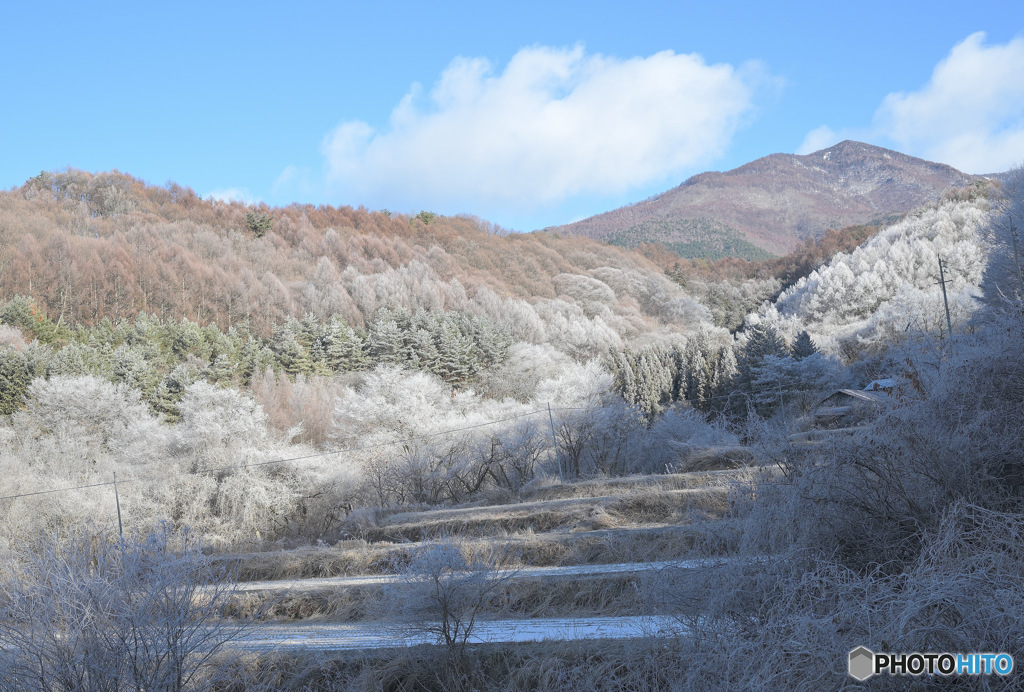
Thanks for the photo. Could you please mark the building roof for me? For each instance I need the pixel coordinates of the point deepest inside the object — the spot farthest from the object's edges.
(872, 396)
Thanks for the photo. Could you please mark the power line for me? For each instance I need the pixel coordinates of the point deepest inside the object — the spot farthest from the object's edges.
(368, 447)
(320, 455)
(57, 490)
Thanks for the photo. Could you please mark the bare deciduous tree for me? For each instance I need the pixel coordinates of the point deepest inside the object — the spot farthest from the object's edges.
(85, 611)
(444, 590)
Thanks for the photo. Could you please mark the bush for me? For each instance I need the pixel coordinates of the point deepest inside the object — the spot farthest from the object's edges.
(14, 380)
(84, 611)
(442, 591)
(791, 623)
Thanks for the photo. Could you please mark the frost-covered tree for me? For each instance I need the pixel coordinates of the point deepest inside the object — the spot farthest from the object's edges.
(1004, 236)
(85, 413)
(887, 287)
(391, 401)
(215, 422)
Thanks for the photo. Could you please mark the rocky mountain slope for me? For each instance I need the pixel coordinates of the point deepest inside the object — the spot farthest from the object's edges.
(771, 205)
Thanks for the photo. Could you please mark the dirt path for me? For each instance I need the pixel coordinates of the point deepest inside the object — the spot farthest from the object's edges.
(523, 573)
(375, 635)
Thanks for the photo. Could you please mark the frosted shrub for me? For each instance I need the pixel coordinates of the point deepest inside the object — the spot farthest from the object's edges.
(254, 504)
(216, 422)
(527, 366)
(615, 439)
(952, 432)
(576, 385)
(84, 611)
(792, 624)
(304, 406)
(12, 336)
(676, 435)
(86, 417)
(391, 402)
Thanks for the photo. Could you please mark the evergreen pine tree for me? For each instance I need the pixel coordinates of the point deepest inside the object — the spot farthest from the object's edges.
(625, 379)
(803, 346)
(221, 371)
(309, 333)
(385, 339)
(291, 355)
(170, 390)
(699, 376)
(14, 380)
(129, 366)
(456, 360)
(253, 359)
(762, 342)
(344, 349)
(420, 350)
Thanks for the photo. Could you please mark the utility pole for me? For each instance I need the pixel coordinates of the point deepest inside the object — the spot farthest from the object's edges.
(782, 405)
(554, 441)
(117, 500)
(945, 300)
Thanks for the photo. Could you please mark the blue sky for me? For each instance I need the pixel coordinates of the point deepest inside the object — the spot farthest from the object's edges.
(527, 114)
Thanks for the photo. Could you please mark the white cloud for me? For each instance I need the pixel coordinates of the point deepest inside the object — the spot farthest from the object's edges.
(818, 139)
(232, 194)
(294, 182)
(970, 114)
(553, 124)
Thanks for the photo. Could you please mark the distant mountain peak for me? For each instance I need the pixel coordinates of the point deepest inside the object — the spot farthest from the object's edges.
(774, 203)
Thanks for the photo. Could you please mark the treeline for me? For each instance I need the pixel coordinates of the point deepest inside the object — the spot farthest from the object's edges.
(160, 357)
(732, 288)
(755, 374)
(93, 246)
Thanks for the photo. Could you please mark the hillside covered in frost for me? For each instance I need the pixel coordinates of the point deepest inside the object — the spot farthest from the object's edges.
(866, 299)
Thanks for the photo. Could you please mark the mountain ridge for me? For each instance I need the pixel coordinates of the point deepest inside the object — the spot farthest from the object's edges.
(776, 202)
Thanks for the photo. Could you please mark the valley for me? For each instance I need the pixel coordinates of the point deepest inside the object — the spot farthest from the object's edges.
(343, 449)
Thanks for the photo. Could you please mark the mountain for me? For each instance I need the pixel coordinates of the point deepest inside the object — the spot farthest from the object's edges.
(771, 205)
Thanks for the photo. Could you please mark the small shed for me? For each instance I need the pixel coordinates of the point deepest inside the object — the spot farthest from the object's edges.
(844, 406)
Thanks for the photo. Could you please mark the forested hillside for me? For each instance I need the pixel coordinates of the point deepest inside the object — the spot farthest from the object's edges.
(876, 295)
(86, 246)
(209, 333)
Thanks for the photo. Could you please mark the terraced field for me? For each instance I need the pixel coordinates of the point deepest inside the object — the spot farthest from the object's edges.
(568, 561)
